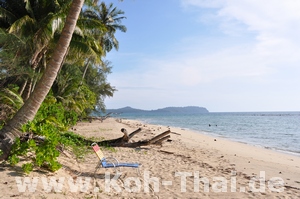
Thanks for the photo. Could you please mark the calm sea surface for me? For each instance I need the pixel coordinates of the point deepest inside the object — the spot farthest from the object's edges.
(275, 130)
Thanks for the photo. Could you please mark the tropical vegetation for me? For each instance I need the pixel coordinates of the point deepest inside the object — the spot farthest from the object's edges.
(53, 71)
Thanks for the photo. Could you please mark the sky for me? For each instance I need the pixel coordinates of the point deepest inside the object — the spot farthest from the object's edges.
(224, 55)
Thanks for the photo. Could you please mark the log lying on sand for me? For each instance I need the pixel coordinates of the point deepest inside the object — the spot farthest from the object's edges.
(125, 140)
(101, 118)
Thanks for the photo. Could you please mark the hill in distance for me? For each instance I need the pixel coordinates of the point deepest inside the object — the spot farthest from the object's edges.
(185, 110)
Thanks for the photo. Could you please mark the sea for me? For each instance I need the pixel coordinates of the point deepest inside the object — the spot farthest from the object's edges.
(278, 131)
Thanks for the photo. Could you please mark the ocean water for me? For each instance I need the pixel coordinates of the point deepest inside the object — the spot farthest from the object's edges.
(274, 130)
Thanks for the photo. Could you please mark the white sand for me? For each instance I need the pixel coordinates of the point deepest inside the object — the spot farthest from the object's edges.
(179, 168)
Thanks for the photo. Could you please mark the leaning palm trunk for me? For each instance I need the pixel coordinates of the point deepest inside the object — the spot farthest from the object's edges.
(31, 106)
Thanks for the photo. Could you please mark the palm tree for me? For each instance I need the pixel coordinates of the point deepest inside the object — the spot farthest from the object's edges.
(111, 19)
(100, 25)
(27, 112)
(34, 24)
(97, 26)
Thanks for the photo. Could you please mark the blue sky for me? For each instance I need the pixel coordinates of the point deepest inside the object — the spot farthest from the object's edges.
(225, 55)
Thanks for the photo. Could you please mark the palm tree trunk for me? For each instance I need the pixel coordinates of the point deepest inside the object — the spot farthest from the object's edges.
(35, 80)
(85, 69)
(28, 111)
(23, 87)
(64, 59)
(83, 76)
(27, 91)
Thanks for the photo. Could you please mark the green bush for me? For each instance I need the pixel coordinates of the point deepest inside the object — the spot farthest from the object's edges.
(43, 135)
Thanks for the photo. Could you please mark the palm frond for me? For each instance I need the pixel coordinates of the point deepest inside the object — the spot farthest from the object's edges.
(87, 46)
(22, 25)
(11, 98)
(7, 16)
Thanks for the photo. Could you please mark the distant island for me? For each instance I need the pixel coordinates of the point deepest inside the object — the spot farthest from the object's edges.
(185, 110)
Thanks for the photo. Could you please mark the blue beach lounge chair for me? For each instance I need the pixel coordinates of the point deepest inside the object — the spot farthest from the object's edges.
(110, 162)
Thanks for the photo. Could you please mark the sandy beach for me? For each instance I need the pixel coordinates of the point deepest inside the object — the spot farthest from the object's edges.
(188, 165)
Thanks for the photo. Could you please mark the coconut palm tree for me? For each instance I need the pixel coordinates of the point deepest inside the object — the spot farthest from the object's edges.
(111, 19)
(34, 24)
(98, 24)
(27, 112)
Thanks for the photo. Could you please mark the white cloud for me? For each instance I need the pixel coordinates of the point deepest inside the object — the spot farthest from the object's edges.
(275, 23)
(192, 69)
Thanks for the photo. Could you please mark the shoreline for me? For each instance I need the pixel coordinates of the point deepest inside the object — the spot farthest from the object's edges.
(240, 141)
(292, 153)
(212, 134)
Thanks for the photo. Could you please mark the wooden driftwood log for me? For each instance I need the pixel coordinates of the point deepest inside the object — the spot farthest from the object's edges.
(101, 118)
(125, 140)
